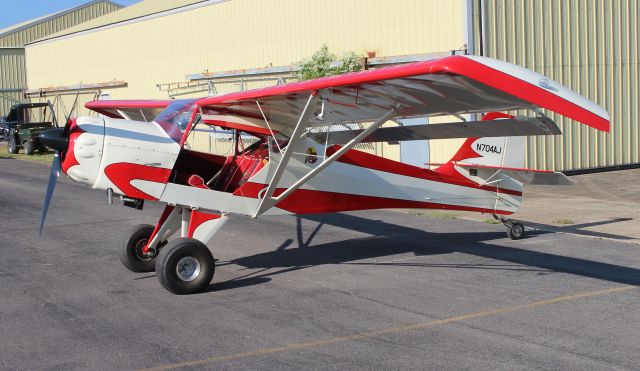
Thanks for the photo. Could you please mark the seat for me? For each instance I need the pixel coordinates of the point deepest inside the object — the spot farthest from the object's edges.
(197, 181)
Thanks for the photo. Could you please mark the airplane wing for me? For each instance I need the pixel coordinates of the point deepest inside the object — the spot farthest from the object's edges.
(138, 110)
(451, 85)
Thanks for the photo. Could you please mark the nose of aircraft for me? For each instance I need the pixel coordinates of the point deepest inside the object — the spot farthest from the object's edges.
(58, 141)
(55, 139)
(67, 143)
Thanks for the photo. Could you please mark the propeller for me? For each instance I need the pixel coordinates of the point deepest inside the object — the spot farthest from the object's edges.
(58, 140)
(53, 177)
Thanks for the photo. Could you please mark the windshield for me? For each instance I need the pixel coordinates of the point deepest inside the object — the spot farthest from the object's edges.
(175, 117)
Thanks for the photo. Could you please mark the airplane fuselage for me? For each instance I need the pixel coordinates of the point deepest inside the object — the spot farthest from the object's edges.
(139, 160)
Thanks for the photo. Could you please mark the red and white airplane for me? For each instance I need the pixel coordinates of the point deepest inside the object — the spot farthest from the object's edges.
(301, 164)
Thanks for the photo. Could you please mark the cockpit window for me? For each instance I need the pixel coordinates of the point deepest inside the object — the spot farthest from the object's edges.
(175, 117)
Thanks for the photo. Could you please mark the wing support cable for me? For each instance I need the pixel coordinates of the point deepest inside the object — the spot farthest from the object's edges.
(268, 200)
(269, 126)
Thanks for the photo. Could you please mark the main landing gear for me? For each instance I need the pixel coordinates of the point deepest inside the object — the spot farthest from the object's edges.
(183, 265)
(515, 230)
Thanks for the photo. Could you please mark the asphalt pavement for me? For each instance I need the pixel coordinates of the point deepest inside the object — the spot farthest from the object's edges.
(364, 290)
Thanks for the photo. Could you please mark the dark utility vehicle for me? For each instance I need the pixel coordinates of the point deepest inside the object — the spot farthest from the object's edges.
(23, 125)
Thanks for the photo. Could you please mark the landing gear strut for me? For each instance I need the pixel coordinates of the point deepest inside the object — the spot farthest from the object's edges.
(515, 230)
(184, 265)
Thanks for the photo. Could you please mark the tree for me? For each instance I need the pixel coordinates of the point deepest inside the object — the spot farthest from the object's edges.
(322, 64)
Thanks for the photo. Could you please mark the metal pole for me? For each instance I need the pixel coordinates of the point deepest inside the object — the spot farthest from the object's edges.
(469, 26)
(186, 217)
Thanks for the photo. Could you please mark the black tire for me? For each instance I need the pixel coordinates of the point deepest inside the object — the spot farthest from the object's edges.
(130, 251)
(29, 148)
(194, 257)
(12, 147)
(516, 232)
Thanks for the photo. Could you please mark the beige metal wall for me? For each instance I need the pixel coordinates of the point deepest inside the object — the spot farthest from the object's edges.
(242, 34)
(12, 77)
(57, 23)
(590, 46)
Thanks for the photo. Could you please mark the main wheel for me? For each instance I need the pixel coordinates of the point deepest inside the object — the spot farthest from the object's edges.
(130, 252)
(185, 266)
(516, 231)
(29, 148)
(12, 146)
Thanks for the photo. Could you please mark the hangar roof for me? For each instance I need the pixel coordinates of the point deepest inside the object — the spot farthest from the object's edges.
(132, 12)
(33, 22)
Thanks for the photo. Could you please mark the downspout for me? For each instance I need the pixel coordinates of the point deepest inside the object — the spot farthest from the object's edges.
(468, 24)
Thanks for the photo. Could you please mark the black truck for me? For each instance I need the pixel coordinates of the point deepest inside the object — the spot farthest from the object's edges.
(23, 125)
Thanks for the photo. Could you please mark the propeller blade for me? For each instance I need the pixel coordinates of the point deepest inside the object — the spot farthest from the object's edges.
(53, 178)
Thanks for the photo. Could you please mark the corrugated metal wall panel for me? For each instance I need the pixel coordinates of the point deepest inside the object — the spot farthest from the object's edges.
(56, 24)
(7, 100)
(590, 46)
(12, 77)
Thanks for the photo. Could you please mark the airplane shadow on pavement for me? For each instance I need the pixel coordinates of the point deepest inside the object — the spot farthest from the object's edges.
(388, 239)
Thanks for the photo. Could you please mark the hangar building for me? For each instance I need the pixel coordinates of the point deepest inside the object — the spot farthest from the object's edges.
(161, 48)
(13, 79)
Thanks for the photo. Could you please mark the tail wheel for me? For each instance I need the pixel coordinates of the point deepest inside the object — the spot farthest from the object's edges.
(185, 266)
(515, 231)
(12, 146)
(130, 252)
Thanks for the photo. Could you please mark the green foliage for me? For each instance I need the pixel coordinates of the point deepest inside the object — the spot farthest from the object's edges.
(563, 221)
(490, 221)
(436, 214)
(319, 65)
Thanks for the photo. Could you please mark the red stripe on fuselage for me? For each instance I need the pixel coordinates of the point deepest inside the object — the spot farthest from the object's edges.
(122, 173)
(307, 201)
(366, 160)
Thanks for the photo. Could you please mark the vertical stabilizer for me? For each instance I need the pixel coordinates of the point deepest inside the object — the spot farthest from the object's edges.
(491, 155)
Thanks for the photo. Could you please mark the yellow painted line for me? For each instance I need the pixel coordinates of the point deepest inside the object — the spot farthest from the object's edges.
(388, 331)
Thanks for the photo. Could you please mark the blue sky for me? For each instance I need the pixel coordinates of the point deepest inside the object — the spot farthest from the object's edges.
(17, 11)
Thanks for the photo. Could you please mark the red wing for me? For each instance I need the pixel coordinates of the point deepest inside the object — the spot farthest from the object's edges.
(138, 110)
(450, 85)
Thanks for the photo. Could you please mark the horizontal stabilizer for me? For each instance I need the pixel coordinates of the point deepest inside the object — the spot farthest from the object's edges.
(527, 176)
(518, 126)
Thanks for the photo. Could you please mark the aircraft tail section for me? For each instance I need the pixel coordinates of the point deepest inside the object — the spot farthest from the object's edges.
(494, 151)
(481, 161)
(498, 164)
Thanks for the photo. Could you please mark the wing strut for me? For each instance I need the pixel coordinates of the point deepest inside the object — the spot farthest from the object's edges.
(269, 201)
